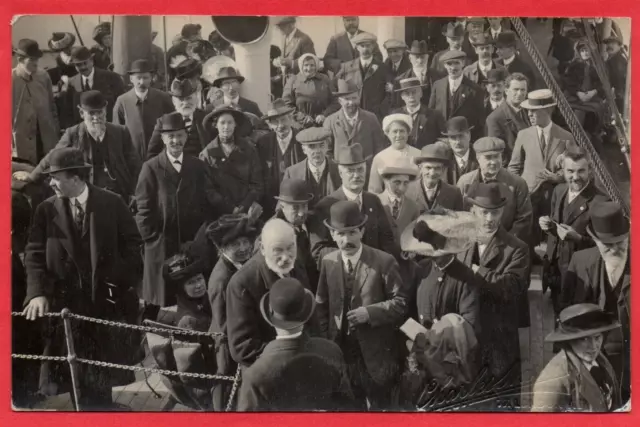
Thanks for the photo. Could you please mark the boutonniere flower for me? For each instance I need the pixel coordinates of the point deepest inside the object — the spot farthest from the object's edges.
(463, 95)
(374, 67)
(269, 163)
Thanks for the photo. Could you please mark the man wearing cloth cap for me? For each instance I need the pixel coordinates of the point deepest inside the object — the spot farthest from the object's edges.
(34, 115)
(455, 34)
(90, 77)
(369, 74)
(105, 146)
(185, 100)
(397, 61)
(419, 58)
(601, 276)
(318, 170)
(617, 68)
(352, 165)
(296, 43)
(361, 301)
(458, 136)
(495, 90)
(140, 108)
(456, 95)
(295, 372)
(342, 48)
(83, 254)
(510, 59)
(478, 71)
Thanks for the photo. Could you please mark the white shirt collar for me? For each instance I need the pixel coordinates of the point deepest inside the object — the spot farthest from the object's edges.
(459, 159)
(412, 111)
(353, 119)
(496, 32)
(510, 60)
(455, 83)
(573, 194)
(237, 265)
(319, 169)
(89, 78)
(141, 95)
(234, 101)
(365, 62)
(393, 197)
(546, 130)
(287, 138)
(173, 159)
(289, 337)
(82, 198)
(355, 258)
(351, 196)
(485, 68)
(495, 104)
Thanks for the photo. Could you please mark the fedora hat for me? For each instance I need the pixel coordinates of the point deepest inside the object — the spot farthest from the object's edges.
(537, 99)
(435, 235)
(313, 135)
(80, 54)
(608, 223)
(101, 30)
(346, 87)
(172, 122)
(581, 320)
(243, 124)
(230, 227)
(277, 108)
(351, 155)
(506, 39)
(394, 44)
(345, 215)
(480, 39)
(181, 88)
(438, 152)
(487, 196)
(61, 41)
(452, 55)
(62, 159)
(400, 165)
(410, 83)
(496, 75)
(418, 47)
(457, 125)
(364, 37)
(288, 304)
(180, 267)
(92, 100)
(28, 48)
(140, 66)
(294, 191)
(188, 69)
(227, 73)
(453, 29)
(397, 117)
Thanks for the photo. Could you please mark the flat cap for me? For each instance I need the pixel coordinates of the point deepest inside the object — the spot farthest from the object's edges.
(453, 54)
(364, 37)
(488, 143)
(394, 44)
(313, 135)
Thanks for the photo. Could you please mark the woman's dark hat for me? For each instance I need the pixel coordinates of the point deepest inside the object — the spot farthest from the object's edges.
(28, 48)
(294, 191)
(61, 41)
(62, 159)
(80, 54)
(180, 268)
(188, 69)
(344, 216)
(182, 88)
(229, 228)
(101, 30)
(172, 122)
(287, 305)
(457, 125)
(487, 196)
(608, 223)
(140, 66)
(351, 155)
(581, 320)
(227, 73)
(243, 124)
(418, 47)
(277, 108)
(92, 100)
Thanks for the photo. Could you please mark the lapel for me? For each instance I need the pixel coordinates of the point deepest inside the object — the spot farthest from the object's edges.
(463, 93)
(421, 120)
(555, 142)
(336, 275)
(510, 118)
(587, 386)
(562, 194)
(580, 204)
(363, 267)
(291, 46)
(535, 148)
(64, 220)
(84, 140)
(493, 249)
(373, 68)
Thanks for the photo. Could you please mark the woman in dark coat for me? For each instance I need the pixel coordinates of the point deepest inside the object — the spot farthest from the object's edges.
(233, 161)
(102, 49)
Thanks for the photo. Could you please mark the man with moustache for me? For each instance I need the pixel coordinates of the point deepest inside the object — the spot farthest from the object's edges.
(229, 81)
(105, 146)
(361, 301)
(248, 333)
(185, 100)
(419, 59)
(277, 150)
(509, 118)
(317, 170)
(569, 217)
(140, 108)
(478, 71)
(458, 136)
(508, 57)
(342, 48)
(495, 90)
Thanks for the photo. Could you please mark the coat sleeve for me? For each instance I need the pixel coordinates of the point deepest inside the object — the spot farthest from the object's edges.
(218, 299)
(522, 221)
(332, 143)
(38, 281)
(394, 310)
(118, 113)
(386, 238)
(516, 164)
(288, 93)
(433, 98)
(322, 303)
(155, 143)
(469, 306)
(52, 101)
(510, 283)
(147, 215)
(249, 397)
(494, 129)
(380, 140)
(573, 289)
(256, 182)
(245, 342)
(550, 394)
(134, 163)
(214, 198)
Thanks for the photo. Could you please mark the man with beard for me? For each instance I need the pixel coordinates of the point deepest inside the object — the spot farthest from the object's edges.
(105, 146)
(342, 48)
(458, 136)
(378, 231)
(248, 332)
(140, 108)
(277, 150)
(185, 98)
(61, 43)
(571, 205)
(361, 301)
(317, 170)
(174, 197)
(229, 81)
(509, 118)
(478, 71)
(419, 59)
(509, 58)
(617, 68)
(601, 276)
(495, 90)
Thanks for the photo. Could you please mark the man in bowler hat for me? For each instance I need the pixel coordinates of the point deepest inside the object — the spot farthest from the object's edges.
(458, 136)
(478, 71)
(508, 57)
(455, 35)
(419, 69)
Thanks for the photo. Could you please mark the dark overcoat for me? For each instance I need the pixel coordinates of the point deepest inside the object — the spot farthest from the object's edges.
(428, 126)
(520, 66)
(107, 82)
(454, 171)
(195, 143)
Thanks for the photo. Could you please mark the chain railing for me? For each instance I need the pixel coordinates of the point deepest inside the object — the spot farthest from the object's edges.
(73, 359)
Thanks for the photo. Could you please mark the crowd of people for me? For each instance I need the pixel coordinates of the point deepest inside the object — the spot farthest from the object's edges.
(308, 235)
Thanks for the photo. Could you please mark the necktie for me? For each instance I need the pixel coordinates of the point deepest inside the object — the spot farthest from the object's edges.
(359, 202)
(79, 219)
(86, 84)
(349, 267)
(543, 142)
(178, 165)
(396, 208)
(317, 175)
(463, 165)
(187, 121)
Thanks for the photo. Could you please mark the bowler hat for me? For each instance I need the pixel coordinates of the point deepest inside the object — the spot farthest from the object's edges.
(418, 47)
(61, 41)
(172, 122)
(230, 227)
(400, 165)
(364, 37)
(277, 108)
(181, 88)
(608, 223)
(80, 54)
(394, 44)
(313, 135)
(397, 117)
(537, 99)
(288, 304)
(439, 234)
(496, 75)
(480, 39)
(294, 191)
(452, 55)
(453, 29)
(28, 48)
(351, 155)
(227, 73)
(346, 87)
(457, 125)
(188, 69)
(243, 124)
(101, 30)
(487, 196)
(506, 39)
(345, 215)
(140, 66)
(283, 20)
(488, 143)
(582, 320)
(92, 100)
(180, 267)
(437, 151)
(410, 83)
(62, 159)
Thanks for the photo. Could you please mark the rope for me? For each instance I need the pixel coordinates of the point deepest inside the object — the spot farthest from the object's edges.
(578, 132)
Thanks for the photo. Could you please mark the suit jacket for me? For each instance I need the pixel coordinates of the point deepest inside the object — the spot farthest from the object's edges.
(519, 66)
(505, 123)
(109, 83)
(470, 103)
(428, 126)
(403, 66)
(296, 374)
(431, 77)
(293, 49)
(367, 132)
(124, 163)
(373, 85)
(340, 50)
(248, 332)
(528, 158)
(378, 230)
(454, 171)
(301, 171)
(472, 72)
(380, 290)
(448, 196)
(141, 117)
(409, 211)
(191, 148)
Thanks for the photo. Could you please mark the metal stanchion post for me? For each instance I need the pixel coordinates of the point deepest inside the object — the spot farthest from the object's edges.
(71, 356)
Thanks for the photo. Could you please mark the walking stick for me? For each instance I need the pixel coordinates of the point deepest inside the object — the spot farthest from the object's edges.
(77, 31)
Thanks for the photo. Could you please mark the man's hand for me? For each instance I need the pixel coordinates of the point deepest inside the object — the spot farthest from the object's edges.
(438, 210)
(36, 308)
(583, 96)
(475, 268)
(21, 176)
(255, 210)
(389, 87)
(359, 316)
(547, 175)
(545, 223)
(320, 119)
(566, 232)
